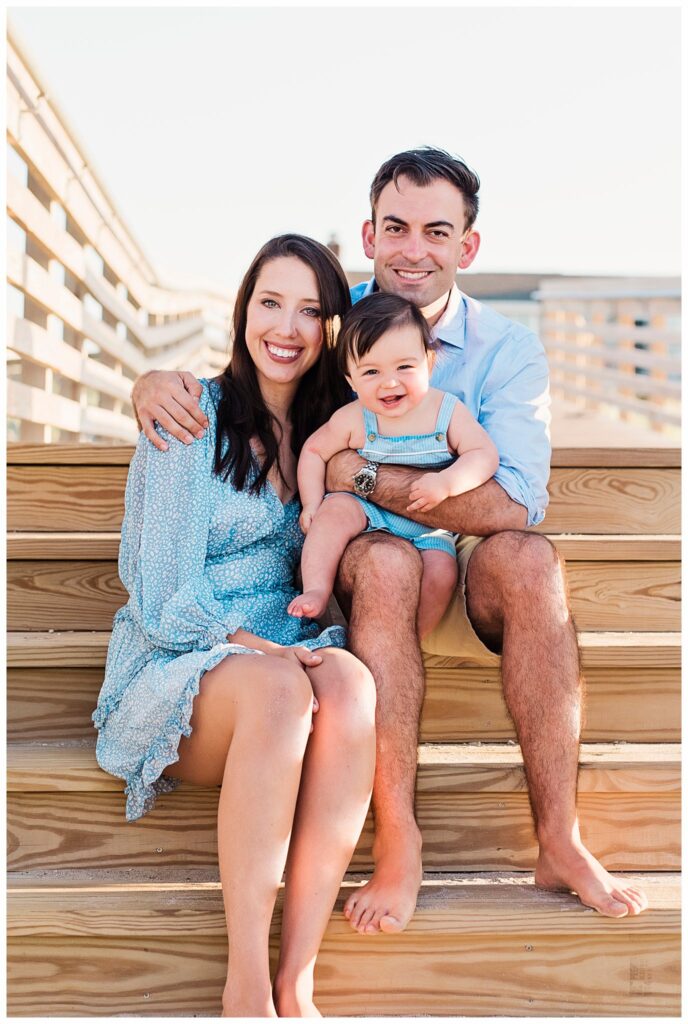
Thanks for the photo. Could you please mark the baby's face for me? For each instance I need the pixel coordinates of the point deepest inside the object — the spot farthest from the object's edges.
(394, 376)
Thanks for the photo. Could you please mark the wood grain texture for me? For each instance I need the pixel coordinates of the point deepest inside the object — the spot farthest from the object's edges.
(115, 455)
(461, 704)
(626, 501)
(81, 498)
(442, 768)
(554, 956)
(572, 547)
(26, 649)
(582, 500)
(641, 596)
(465, 829)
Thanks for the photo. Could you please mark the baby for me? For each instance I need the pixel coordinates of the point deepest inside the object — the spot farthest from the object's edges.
(385, 350)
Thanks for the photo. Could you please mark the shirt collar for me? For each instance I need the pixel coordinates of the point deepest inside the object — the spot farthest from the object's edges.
(451, 327)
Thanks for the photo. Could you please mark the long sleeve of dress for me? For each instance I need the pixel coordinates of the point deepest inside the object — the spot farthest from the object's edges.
(164, 545)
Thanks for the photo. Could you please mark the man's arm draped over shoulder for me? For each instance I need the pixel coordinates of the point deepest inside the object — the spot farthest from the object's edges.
(514, 409)
(169, 398)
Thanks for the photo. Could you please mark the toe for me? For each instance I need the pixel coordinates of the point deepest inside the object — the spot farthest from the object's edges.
(388, 923)
(612, 906)
(349, 906)
(365, 919)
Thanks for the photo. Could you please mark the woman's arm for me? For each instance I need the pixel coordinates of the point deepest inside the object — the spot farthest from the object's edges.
(162, 560)
(477, 463)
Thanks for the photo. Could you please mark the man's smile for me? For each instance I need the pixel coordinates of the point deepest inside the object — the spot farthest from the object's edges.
(412, 275)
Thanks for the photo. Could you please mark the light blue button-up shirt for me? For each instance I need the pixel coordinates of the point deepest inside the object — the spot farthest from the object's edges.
(498, 369)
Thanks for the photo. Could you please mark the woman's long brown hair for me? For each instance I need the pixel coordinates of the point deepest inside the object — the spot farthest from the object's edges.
(242, 413)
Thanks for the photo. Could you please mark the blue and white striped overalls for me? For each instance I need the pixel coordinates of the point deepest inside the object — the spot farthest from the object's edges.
(409, 450)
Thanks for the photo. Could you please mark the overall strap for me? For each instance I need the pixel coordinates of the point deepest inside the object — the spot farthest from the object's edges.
(445, 413)
(369, 424)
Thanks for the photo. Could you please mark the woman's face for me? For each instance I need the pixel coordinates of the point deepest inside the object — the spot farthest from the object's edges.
(283, 329)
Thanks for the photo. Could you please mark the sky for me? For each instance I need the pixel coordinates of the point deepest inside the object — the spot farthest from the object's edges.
(213, 129)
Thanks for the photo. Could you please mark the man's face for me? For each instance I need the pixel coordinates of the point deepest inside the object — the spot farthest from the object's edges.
(419, 240)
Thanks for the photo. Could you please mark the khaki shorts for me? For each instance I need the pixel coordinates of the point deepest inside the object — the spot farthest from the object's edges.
(455, 636)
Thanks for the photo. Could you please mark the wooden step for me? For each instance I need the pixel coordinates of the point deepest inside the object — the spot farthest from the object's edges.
(461, 704)
(610, 595)
(632, 683)
(472, 806)
(86, 649)
(161, 945)
(583, 500)
(580, 547)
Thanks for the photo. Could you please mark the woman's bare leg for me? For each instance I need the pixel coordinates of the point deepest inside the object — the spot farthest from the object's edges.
(250, 725)
(339, 519)
(437, 587)
(336, 784)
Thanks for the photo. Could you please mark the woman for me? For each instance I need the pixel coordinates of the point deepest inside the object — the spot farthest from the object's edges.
(210, 545)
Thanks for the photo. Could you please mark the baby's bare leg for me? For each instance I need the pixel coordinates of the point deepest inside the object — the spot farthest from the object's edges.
(339, 519)
(440, 576)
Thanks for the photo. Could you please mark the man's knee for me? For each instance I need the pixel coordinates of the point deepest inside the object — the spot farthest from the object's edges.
(518, 563)
(380, 560)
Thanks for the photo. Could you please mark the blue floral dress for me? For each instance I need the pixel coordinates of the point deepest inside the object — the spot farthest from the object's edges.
(199, 560)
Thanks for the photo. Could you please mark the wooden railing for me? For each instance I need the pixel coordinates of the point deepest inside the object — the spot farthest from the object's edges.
(614, 348)
(87, 314)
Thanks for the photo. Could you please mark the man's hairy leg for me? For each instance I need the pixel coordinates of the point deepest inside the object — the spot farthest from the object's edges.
(379, 587)
(517, 601)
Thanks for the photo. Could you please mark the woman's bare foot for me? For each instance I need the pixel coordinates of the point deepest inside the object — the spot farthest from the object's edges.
(573, 868)
(311, 603)
(386, 903)
(294, 998)
(247, 1001)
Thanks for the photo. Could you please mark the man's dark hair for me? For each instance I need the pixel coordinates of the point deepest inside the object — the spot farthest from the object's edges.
(369, 319)
(423, 166)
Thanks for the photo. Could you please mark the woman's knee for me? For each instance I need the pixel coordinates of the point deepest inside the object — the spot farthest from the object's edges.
(346, 693)
(277, 689)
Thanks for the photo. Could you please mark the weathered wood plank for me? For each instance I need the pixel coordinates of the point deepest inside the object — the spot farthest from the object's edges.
(583, 500)
(642, 596)
(598, 650)
(473, 816)
(73, 904)
(613, 501)
(572, 547)
(443, 768)
(111, 455)
(627, 704)
(82, 498)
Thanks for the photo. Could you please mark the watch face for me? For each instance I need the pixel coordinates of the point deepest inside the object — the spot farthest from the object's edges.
(364, 481)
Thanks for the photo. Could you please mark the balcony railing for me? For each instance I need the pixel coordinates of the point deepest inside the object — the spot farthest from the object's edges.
(87, 314)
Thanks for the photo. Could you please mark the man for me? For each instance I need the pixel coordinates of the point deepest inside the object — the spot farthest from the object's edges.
(512, 596)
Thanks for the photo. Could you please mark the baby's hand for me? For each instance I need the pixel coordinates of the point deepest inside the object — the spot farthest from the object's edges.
(306, 518)
(430, 490)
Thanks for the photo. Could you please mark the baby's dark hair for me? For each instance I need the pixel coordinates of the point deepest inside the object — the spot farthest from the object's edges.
(369, 319)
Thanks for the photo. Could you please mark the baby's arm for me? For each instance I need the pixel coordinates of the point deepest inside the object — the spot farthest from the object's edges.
(332, 437)
(477, 463)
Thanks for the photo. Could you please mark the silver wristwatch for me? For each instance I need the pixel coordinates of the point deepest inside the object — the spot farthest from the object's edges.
(365, 480)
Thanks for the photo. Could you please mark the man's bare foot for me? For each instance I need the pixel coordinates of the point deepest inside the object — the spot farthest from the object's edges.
(311, 603)
(294, 998)
(386, 903)
(574, 869)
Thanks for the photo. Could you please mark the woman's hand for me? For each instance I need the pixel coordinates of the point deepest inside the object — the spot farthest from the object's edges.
(302, 657)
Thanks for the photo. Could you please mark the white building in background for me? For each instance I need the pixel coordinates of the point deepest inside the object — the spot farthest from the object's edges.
(86, 312)
(614, 347)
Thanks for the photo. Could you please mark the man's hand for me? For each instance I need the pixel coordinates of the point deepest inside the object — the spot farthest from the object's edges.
(169, 397)
(341, 470)
(427, 492)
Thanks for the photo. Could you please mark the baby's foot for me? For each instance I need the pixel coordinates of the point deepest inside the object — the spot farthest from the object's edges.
(311, 603)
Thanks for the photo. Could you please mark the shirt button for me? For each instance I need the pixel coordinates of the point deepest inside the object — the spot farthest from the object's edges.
(371, 437)
(439, 437)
